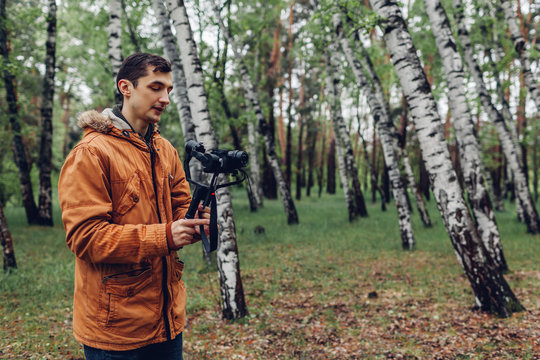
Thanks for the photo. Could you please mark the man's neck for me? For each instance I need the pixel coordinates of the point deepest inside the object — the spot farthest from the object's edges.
(140, 126)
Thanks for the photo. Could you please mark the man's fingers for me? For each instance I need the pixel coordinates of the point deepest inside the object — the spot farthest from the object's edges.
(195, 222)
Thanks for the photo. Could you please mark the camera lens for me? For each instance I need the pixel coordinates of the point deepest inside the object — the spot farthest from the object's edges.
(239, 159)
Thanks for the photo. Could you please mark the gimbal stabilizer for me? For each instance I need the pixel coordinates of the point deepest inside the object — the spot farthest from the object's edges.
(216, 162)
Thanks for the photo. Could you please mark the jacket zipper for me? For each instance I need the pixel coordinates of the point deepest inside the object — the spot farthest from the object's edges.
(163, 259)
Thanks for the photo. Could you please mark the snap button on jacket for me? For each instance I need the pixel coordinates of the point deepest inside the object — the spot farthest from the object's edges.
(117, 194)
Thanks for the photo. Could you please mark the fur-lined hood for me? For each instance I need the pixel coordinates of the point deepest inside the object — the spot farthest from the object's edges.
(102, 122)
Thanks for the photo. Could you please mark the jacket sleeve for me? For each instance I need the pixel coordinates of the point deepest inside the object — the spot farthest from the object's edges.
(85, 199)
(180, 191)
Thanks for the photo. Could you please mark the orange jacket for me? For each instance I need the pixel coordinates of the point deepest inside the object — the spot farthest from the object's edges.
(116, 197)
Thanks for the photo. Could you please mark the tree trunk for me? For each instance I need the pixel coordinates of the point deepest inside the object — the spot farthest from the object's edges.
(7, 243)
(132, 32)
(252, 95)
(232, 292)
(420, 205)
(180, 93)
(19, 152)
(45, 153)
(311, 139)
(344, 139)
(290, 120)
(300, 151)
(115, 42)
(491, 290)
(254, 164)
(469, 149)
(331, 165)
(385, 129)
(371, 170)
(522, 49)
(509, 147)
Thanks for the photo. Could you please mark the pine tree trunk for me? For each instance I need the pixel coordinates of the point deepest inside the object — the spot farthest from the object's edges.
(469, 149)
(300, 150)
(311, 139)
(344, 141)
(115, 42)
(7, 243)
(509, 147)
(252, 95)
(522, 49)
(232, 293)
(45, 153)
(288, 148)
(384, 127)
(19, 152)
(491, 290)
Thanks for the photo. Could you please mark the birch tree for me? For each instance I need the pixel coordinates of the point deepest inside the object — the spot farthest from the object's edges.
(19, 151)
(509, 147)
(384, 125)
(115, 42)
(179, 95)
(522, 50)
(252, 95)
(355, 199)
(45, 152)
(492, 292)
(7, 243)
(471, 164)
(232, 293)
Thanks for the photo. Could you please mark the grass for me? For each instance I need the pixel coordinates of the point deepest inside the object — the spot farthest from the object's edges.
(324, 289)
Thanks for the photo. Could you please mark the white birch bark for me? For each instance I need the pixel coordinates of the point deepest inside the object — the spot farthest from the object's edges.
(342, 171)
(383, 124)
(522, 49)
(469, 150)
(179, 94)
(509, 147)
(115, 41)
(420, 204)
(232, 293)
(252, 95)
(254, 163)
(491, 290)
(342, 135)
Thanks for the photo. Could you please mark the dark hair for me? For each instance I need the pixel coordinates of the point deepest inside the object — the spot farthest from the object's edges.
(135, 66)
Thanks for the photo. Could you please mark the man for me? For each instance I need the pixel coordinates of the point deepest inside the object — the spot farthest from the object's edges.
(124, 195)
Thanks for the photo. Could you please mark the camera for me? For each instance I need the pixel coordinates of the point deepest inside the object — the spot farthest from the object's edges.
(217, 161)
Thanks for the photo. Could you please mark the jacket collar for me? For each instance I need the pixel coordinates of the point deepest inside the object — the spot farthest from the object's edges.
(108, 119)
(111, 121)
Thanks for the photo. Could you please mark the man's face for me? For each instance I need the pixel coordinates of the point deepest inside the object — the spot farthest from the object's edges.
(151, 96)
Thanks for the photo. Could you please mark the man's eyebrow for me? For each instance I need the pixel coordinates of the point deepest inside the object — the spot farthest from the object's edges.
(157, 82)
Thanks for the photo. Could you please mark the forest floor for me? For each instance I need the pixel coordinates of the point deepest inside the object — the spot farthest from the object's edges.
(324, 289)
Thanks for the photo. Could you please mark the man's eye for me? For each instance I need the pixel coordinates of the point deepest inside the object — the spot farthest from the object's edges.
(155, 88)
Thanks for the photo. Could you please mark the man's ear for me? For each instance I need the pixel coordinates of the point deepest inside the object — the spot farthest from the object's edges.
(125, 87)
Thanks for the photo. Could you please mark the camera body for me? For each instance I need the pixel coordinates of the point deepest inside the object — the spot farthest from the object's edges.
(217, 161)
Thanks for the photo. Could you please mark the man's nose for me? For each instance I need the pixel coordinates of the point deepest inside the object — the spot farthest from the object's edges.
(164, 98)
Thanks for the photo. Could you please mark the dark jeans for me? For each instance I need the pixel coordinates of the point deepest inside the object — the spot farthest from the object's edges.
(168, 350)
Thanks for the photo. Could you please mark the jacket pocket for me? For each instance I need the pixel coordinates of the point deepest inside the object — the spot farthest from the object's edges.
(129, 197)
(179, 296)
(129, 302)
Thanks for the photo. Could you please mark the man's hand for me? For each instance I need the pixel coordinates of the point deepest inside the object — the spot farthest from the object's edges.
(187, 231)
